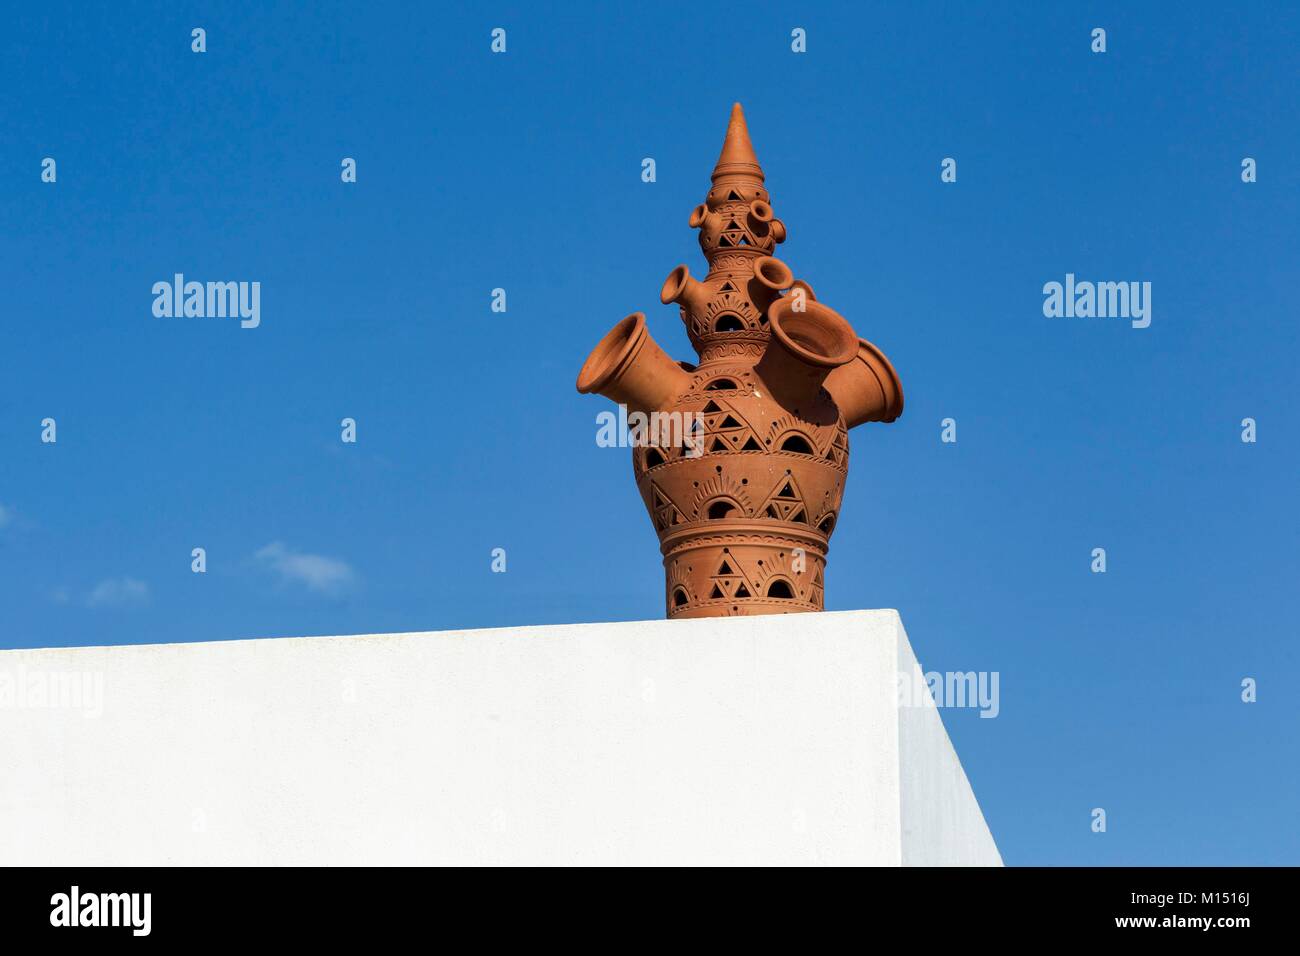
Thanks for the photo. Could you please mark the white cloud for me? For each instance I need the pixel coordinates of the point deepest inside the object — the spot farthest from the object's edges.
(118, 592)
(313, 571)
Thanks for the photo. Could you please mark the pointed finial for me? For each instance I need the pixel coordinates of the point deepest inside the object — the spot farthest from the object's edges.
(737, 160)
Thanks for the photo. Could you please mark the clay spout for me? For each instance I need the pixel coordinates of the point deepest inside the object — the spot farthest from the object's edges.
(805, 347)
(771, 275)
(867, 389)
(807, 289)
(629, 367)
(685, 290)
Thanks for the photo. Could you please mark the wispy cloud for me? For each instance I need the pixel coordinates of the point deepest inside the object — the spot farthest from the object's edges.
(118, 592)
(315, 572)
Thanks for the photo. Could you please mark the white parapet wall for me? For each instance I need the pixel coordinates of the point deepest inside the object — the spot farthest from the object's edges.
(748, 740)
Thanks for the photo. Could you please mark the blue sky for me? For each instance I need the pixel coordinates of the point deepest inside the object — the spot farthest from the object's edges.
(522, 171)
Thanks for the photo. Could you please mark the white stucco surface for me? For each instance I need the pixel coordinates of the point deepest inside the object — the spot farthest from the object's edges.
(751, 740)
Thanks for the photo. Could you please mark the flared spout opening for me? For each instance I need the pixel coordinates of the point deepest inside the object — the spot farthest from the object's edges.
(627, 366)
(684, 289)
(674, 285)
(808, 342)
(868, 388)
(611, 353)
(773, 273)
(816, 335)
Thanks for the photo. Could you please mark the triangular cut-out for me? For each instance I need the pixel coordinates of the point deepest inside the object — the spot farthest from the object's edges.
(725, 568)
(787, 492)
(742, 591)
(711, 407)
(771, 512)
(733, 196)
(752, 445)
(717, 445)
(799, 517)
(716, 592)
(730, 422)
(743, 241)
(726, 287)
(724, 240)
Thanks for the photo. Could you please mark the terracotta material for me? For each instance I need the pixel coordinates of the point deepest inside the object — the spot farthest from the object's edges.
(745, 506)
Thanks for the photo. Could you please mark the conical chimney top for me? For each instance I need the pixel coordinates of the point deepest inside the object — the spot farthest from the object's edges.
(737, 160)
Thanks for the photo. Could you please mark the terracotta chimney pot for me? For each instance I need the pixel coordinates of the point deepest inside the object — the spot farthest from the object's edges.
(745, 494)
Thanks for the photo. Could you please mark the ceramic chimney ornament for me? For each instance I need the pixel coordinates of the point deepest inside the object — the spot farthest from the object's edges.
(743, 464)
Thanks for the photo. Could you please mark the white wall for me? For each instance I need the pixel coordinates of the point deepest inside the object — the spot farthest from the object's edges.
(941, 820)
(740, 740)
